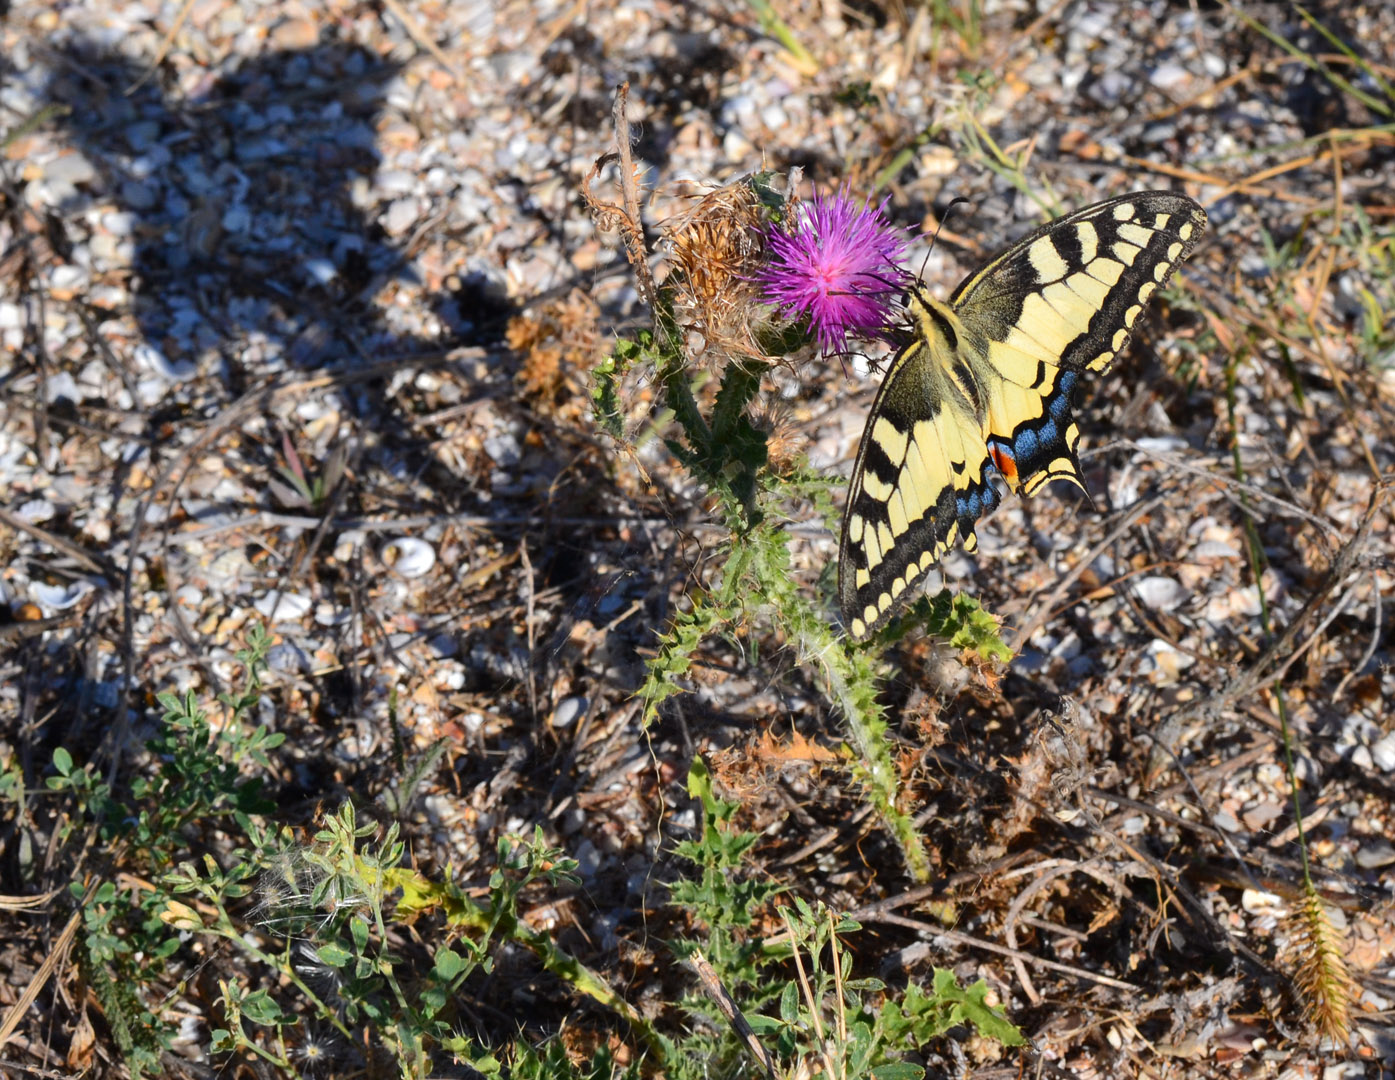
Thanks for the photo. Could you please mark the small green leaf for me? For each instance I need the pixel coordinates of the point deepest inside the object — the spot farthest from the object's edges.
(63, 761)
(899, 1071)
(449, 964)
(358, 927)
(789, 1004)
(261, 1008)
(333, 955)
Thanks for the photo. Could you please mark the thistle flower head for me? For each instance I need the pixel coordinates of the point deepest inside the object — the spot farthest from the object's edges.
(838, 265)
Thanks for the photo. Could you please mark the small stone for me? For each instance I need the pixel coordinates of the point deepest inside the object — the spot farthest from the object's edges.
(1383, 753)
(1215, 549)
(321, 271)
(1161, 593)
(1169, 76)
(1260, 815)
(1375, 854)
(277, 605)
(67, 281)
(401, 215)
(567, 711)
(396, 182)
(140, 194)
(36, 511)
(296, 34)
(154, 361)
(70, 169)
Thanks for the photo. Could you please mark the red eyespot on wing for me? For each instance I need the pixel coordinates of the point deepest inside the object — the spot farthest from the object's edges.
(1004, 462)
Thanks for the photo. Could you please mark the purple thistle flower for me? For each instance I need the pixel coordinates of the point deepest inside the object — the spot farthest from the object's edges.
(839, 265)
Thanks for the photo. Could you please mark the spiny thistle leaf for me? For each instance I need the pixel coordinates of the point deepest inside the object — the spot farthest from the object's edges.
(959, 620)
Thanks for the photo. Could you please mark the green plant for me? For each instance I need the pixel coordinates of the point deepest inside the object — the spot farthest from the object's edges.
(306, 491)
(319, 970)
(722, 899)
(125, 941)
(751, 588)
(869, 1029)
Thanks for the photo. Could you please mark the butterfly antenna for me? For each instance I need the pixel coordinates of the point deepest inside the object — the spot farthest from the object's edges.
(940, 225)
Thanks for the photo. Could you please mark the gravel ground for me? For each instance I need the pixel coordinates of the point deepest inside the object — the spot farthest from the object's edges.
(296, 327)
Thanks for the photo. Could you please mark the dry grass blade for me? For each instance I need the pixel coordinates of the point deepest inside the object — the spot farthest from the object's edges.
(40, 978)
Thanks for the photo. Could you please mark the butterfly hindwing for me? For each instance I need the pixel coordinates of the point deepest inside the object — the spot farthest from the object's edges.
(920, 482)
(986, 385)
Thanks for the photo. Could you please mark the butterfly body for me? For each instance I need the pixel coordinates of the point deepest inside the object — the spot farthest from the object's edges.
(984, 388)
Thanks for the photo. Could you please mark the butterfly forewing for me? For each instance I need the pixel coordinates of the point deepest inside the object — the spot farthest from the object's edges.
(985, 387)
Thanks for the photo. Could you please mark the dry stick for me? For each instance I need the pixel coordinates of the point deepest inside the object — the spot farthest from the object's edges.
(815, 1013)
(1043, 611)
(1258, 672)
(96, 563)
(624, 218)
(532, 643)
(420, 36)
(162, 50)
(1375, 638)
(1178, 173)
(1223, 481)
(1235, 313)
(1337, 376)
(45, 972)
(336, 500)
(988, 946)
(712, 986)
(1250, 181)
(1020, 901)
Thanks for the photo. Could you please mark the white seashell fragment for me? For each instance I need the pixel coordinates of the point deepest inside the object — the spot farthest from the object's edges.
(320, 271)
(153, 360)
(277, 605)
(36, 511)
(409, 557)
(1383, 753)
(60, 597)
(1258, 902)
(1161, 593)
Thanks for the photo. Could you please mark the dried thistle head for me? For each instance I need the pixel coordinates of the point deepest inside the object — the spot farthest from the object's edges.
(715, 249)
(558, 342)
(784, 441)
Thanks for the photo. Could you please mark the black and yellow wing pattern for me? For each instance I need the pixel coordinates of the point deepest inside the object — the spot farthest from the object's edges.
(984, 387)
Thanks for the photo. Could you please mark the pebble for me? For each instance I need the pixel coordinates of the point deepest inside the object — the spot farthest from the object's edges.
(1383, 753)
(278, 606)
(1375, 854)
(1160, 593)
(568, 710)
(401, 216)
(1169, 76)
(409, 557)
